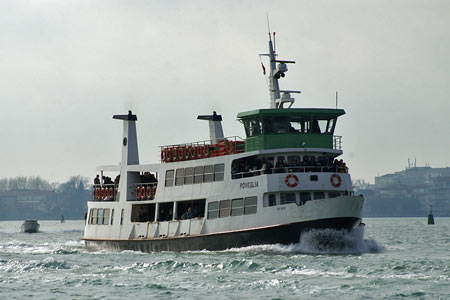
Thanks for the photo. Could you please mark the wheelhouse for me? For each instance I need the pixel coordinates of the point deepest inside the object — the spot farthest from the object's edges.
(291, 128)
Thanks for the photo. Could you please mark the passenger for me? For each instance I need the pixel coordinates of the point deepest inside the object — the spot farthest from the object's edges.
(190, 213)
(97, 179)
(247, 171)
(152, 178)
(296, 165)
(142, 215)
(280, 165)
(117, 179)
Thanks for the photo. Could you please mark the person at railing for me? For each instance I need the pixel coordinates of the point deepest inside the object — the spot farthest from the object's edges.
(107, 180)
(280, 165)
(97, 179)
(295, 166)
(266, 166)
(117, 179)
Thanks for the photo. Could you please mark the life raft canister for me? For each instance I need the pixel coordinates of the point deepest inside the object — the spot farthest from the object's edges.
(291, 180)
(335, 180)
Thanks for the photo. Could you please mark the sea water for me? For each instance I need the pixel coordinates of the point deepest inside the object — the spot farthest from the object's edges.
(390, 259)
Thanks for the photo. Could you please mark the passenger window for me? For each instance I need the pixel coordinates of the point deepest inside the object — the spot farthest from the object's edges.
(272, 199)
(224, 208)
(319, 195)
(333, 195)
(213, 210)
(198, 174)
(208, 173)
(218, 172)
(250, 205)
(106, 217)
(237, 207)
(305, 197)
(286, 198)
(180, 177)
(94, 216)
(169, 177)
(314, 178)
(188, 175)
(99, 216)
(112, 216)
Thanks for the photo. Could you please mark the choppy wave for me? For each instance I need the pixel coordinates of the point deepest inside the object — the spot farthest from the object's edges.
(331, 241)
(318, 241)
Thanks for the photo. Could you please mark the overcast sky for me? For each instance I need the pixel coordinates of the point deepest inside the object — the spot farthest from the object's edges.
(67, 66)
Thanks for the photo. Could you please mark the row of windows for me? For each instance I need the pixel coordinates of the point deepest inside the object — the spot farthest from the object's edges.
(100, 216)
(194, 175)
(282, 124)
(300, 197)
(233, 207)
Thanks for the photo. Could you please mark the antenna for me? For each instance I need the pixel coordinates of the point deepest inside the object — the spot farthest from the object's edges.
(336, 99)
(268, 27)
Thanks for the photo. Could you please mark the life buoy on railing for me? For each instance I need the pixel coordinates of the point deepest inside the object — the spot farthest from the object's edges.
(335, 180)
(149, 193)
(291, 180)
(138, 192)
(110, 193)
(207, 151)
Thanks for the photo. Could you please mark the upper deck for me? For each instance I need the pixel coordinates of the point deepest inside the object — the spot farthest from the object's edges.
(291, 128)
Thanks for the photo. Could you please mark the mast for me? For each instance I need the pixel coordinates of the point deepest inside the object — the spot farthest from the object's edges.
(277, 100)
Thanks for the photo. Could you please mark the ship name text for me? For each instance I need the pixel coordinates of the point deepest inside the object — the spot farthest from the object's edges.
(249, 185)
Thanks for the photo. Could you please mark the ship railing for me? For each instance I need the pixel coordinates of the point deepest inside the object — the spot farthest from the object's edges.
(289, 169)
(337, 142)
(104, 192)
(144, 191)
(202, 149)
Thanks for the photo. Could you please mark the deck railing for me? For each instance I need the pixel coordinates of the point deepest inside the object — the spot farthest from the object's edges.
(202, 149)
(289, 169)
(337, 142)
(144, 191)
(104, 192)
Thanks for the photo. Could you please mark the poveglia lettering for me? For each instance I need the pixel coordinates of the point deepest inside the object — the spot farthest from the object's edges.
(249, 185)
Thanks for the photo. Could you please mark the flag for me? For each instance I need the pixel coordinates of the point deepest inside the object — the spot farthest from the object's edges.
(264, 69)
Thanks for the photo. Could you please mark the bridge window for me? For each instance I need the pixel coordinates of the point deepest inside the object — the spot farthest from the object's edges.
(276, 125)
(253, 127)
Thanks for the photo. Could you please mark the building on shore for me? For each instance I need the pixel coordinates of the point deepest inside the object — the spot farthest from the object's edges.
(408, 193)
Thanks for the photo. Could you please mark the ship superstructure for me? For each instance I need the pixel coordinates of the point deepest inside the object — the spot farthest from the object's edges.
(283, 179)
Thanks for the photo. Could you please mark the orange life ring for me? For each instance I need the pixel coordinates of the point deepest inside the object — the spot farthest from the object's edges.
(289, 182)
(335, 180)
(207, 151)
(149, 192)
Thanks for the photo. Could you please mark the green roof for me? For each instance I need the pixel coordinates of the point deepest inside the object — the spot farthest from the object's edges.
(319, 112)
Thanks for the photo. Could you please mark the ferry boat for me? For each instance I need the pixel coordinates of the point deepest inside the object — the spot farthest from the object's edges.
(283, 179)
